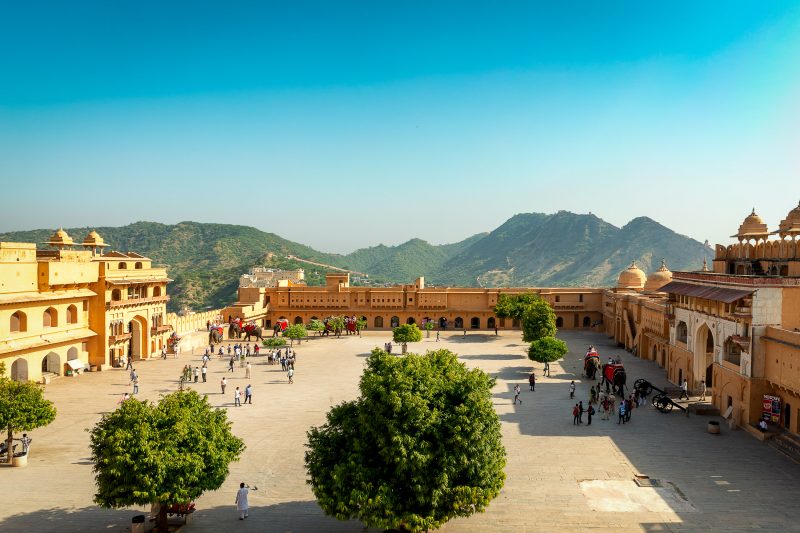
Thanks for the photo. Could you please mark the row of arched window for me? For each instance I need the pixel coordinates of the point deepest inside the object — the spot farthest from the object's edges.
(116, 294)
(19, 319)
(123, 265)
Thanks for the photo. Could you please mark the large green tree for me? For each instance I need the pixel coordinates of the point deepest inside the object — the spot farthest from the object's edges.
(405, 333)
(538, 321)
(22, 408)
(514, 305)
(547, 350)
(167, 453)
(295, 332)
(421, 445)
(316, 325)
(336, 323)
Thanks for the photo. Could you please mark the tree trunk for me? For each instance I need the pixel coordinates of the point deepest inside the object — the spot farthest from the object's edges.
(161, 521)
(429, 334)
(10, 444)
(404, 348)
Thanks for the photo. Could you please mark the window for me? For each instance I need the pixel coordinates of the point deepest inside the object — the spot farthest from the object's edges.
(72, 315)
(580, 298)
(378, 321)
(138, 265)
(50, 318)
(122, 265)
(558, 298)
(681, 332)
(156, 291)
(19, 322)
(115, 295)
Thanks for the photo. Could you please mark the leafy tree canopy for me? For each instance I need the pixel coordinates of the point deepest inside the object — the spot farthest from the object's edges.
(316, 325)
(514, 305)
(547, 350)
(169, 452)
(295, 331)
(421, 445)
(538, 322)
(23, 407)
(405, 333)
(361, 323)
(274, 342)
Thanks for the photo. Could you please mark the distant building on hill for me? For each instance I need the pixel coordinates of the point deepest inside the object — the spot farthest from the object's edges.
(269, 277)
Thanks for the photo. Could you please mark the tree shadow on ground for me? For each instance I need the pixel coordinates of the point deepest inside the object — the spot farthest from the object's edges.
(493, 357)
(470, 338)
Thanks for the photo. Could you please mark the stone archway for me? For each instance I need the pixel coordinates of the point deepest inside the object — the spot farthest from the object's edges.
(395, 322)
(491, 323)
(19, 370)
(704, 355)
(52, 363)
(138, 345)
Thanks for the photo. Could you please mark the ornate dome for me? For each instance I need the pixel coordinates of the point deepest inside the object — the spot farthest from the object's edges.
(631, 278)
(94, 239)
(60, 238)
(753, 227)
(659, 278)
(791, 224)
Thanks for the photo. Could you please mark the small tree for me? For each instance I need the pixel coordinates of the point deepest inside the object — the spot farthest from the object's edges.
(428, 327)
(337, 324)
(421, 445)
(166, 453)
(538, 321)
(316, 325)
(405, 333)
(514, 305)
(274, 342)
(295, 331)
(547, 350)
(361, 323)
(22, 408)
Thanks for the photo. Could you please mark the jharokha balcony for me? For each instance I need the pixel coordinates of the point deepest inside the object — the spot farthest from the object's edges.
(136, 301)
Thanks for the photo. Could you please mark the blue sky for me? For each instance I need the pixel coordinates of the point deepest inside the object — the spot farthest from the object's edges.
(347, 124)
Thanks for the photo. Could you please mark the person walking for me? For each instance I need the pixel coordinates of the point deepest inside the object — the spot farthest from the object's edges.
(132, 375)
(546, 369)
(247, 371)
(605, 405)
(622, 412)
(516, 394)
(196, 374)
(702, 390)
(241, 501)
(136, 385)
(572, 390)
(248, 394)
(589, 413)
(532, 381)
(575, 414)
(291, 375)
(223, 383)
(592, 395)
(230, 365)
(204, 371)
(237, 397)
(437, 336)
(130, 364)
(684, 390)
(580, 412)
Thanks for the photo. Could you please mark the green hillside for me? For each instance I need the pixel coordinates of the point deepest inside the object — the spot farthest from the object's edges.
(530, 249)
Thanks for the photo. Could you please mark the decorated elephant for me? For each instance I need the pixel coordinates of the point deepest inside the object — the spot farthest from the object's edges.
(235, 329)
(614, 376)
(251, 330)
(215, 335)
(591, 365)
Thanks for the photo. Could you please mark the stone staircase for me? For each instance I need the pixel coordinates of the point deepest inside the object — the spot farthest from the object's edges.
(47, 377)
(788, 444)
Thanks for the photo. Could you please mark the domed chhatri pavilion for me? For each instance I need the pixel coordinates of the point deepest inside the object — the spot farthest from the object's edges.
(659, 278)
(632, 277)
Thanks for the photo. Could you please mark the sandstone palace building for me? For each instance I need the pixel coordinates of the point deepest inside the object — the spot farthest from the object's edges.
(72, 307)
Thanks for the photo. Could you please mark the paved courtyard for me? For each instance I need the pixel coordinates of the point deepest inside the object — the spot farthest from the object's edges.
(560, 477)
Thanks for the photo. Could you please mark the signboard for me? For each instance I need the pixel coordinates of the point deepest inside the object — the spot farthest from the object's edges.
(771, 409)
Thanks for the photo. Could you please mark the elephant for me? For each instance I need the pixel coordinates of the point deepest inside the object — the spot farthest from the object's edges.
(614, 376)
(591, 365)
(215, 336)
(235, 330)
(252, 331)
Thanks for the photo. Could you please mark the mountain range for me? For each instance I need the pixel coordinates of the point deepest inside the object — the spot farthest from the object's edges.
(529, 249)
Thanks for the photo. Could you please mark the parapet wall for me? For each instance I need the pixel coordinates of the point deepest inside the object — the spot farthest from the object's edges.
(193, 322)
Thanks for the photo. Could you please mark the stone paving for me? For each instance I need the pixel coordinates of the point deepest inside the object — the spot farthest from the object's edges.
(560, 477)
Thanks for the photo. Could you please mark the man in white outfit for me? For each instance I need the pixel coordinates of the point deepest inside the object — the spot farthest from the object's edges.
(241, 501)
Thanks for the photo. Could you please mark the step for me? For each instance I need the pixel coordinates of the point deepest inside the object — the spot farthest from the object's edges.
(703, 408)
(47, 377)
(787, 446)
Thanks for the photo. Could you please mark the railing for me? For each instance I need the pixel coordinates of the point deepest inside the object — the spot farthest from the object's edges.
(136, 301)
(112, 339)
(568, 305)
(743, 311)
(160, 329)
